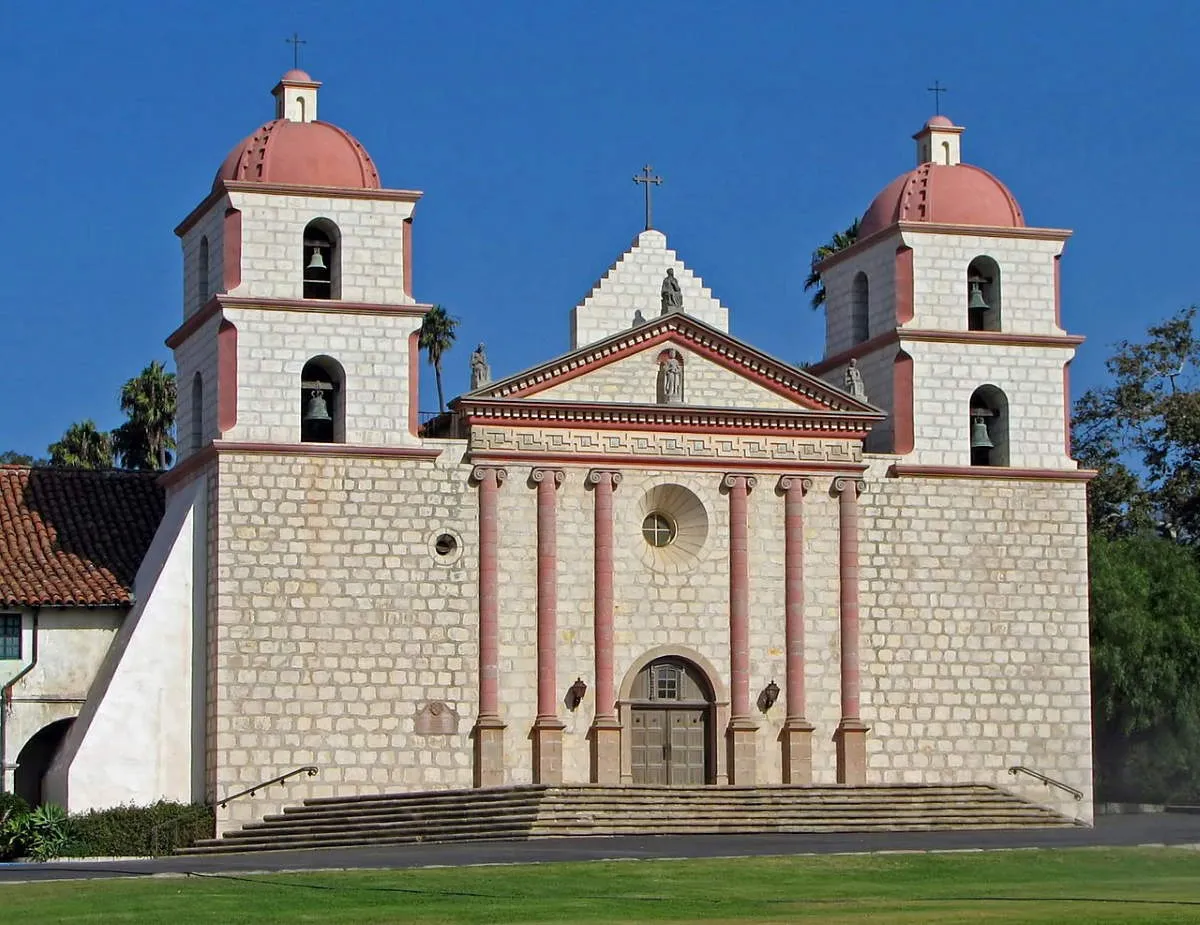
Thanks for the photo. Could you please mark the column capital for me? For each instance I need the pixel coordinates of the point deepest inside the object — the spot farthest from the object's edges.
(800, 483)
(481, 474)
(730, 480)
(847, 483)
(539, 474)
(596, 476)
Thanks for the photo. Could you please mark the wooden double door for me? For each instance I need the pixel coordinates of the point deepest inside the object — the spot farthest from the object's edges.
(670, 744)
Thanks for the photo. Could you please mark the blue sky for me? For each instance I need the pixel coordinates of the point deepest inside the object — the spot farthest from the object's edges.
(774, 123)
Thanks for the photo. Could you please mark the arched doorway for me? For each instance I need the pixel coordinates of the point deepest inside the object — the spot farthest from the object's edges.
(35, 759)
(671, 724)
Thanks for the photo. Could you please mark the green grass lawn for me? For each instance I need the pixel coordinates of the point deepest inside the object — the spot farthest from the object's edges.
(1083, 885)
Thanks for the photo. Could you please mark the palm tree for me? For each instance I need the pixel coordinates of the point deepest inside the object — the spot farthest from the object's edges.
(840, 241)
(437, 336)
(146, 440)
(82, 447)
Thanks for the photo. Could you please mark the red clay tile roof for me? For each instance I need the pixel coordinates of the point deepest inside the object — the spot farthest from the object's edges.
(74, 536)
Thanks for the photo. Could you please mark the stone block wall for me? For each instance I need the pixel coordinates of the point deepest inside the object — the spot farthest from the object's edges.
(211, 226)
(371, 245)
(878, 262)
(634, 283)
(197, 354)
(372, 348)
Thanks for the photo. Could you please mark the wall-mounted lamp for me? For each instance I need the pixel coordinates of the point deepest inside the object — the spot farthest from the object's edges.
(575, 694)
(769, 695)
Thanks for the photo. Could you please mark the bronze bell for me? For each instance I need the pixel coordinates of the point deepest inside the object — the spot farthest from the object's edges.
(979, 435)
(317, 409)
(317, 262)
(976, 302)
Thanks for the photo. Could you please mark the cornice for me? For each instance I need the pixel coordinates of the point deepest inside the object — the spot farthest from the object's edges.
(722, 467)
(900, 470)
(899, 336)
(223, 188)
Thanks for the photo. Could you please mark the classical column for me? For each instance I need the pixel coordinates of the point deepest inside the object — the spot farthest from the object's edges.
(489, 729)
(851, 731)
(606, 728)
(547, 727)
(797, 731)
(741, 736)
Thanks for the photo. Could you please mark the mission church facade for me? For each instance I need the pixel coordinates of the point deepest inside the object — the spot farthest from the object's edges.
(661, 557)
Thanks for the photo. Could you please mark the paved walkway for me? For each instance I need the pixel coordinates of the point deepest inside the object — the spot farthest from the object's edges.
(1157, 829)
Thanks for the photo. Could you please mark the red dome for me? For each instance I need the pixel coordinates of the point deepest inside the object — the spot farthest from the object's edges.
(301, 153)
(951, 195)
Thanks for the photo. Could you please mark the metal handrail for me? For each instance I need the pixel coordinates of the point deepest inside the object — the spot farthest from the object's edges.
(250, 791)
(1048, 781)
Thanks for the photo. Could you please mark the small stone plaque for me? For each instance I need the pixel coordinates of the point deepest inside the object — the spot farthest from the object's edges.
(436, 718)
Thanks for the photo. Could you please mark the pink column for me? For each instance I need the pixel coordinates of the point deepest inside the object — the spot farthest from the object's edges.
(851, 730)
(606, 729)
(797, 731)
(547, 481)
(742, 727)
(489, 729)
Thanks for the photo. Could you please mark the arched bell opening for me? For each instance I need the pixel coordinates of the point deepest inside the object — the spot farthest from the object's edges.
(203, 268)
(983, 295)
(322, 401)
(322, 260)
(35, 758)
(989, 427)
(860, 308)
(197, 412)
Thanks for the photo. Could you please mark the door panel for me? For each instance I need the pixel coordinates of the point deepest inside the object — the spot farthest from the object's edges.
(688, 740)
(649, 746)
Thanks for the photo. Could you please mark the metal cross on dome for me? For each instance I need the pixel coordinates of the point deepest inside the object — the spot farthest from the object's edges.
(937, 90)
(295, 41)
(647, 180)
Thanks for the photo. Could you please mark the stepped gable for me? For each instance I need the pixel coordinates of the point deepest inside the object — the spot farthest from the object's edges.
(74, 537)
(634, 283)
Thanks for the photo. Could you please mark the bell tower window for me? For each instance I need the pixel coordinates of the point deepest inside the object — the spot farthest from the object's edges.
(197, 411)
(983, 295)
(860, 309)
(322, 406)
(202, 273)
(989, 427)
(322, 260)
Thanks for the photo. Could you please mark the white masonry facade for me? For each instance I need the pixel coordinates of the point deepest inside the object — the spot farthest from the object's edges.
(662, 557)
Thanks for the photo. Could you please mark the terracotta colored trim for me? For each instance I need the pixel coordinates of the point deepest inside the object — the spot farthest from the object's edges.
(604, 482)
(414, 382)
(739, 594)
(354, 451)
(659, 418)
(1067, 408)
(901, 470)
(227, 377)
(189, 327)
(793, 488)
(903, 437)
(857, 352)
(406, 243)
(325, 306)
(991, 338)
(979, 231)
(628, 461)
(231, 250)
(905, 304)
(848, 490)
(1058, 291)
(547, 482)
(489, 480)
(188, 468)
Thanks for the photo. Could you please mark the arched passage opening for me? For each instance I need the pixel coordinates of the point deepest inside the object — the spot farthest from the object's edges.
(35, 758)
(672, 723)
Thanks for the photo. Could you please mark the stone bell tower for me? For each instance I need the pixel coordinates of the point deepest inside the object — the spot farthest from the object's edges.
(950, 304)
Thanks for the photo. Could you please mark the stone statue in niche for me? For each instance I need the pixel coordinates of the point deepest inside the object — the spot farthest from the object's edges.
(672, 378)
(481, 372)
(435, 718)
(854, 381)
(672, 295)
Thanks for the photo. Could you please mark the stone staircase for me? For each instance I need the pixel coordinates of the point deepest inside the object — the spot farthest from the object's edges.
(525, 812)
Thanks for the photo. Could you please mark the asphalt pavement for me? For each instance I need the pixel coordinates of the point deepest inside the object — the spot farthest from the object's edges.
(1109, 831)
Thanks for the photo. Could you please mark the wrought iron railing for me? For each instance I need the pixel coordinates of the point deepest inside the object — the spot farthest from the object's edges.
(1048, 781)
(250, 791)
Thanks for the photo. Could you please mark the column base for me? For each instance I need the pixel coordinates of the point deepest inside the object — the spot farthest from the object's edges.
(796, 739)
(547, 750)
(851, 738)
(741, 738)
(488, 734)
(606, 750)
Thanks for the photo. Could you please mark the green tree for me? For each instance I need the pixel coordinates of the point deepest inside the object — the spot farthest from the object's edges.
(436, 338)
(83, 446)
(1142, 432)
(839, 242)
(146, 440)
(13, 458)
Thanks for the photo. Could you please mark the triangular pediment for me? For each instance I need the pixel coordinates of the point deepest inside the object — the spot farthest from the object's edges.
(718, 372)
